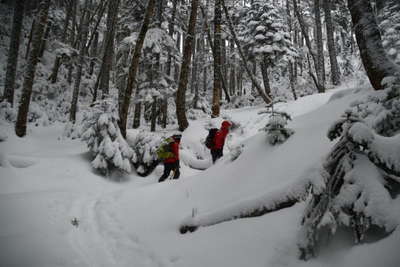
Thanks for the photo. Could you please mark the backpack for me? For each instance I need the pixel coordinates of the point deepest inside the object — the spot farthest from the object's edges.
(210, 138)
(165, 150)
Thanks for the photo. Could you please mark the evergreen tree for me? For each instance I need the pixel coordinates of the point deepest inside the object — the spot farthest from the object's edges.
(361, 174)
(266, 37)
(102, 135)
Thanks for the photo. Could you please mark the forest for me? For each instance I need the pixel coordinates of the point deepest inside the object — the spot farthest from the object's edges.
(99, 98)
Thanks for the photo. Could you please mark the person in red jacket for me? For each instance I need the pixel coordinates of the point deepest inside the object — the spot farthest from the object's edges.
(172, 163)
(219, 141)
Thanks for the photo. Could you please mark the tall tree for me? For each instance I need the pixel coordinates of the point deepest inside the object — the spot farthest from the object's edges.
(372, 53)
(183, 77)
(12, 61)
(134, 66)
(108, 51)
(320, 47)
(215, 109)
(335, 72)
(41, 18)
(64, 35)
(82, 52)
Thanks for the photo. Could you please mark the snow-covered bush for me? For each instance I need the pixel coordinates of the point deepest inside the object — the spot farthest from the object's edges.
(144, 145)
(103, 137)
(7, 112)
(361, 174)
(276, 129)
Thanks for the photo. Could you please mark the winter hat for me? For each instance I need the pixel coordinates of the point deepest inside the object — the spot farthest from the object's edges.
(226, 124)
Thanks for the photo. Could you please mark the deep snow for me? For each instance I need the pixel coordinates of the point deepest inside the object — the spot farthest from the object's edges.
(46, 181)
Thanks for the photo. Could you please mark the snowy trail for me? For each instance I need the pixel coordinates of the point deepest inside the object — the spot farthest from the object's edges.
(101, 240)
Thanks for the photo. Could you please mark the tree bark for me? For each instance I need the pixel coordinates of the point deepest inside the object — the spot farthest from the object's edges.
(28, 45)
(306, 37)
(210, 42)
(12, 60)
(320, 48)
(264, 73)
(82, 53)
(134, 66)
(57, 62)
(335, 72)
(183, 77)
(215, 109)
(42, 16)
(108, 55)
(369, 41)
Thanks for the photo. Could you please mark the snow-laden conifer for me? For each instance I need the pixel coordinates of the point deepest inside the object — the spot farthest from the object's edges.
(103, 137)
(361, 174)
(276, 129)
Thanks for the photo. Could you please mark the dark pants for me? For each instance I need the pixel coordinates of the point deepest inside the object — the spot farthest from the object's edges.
(168, 167)
(216, 154)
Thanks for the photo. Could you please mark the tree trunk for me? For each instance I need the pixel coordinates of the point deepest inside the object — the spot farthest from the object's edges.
(57, 62)
(292, 77)
(306, 37)
(369, 41)
(335, 72)
(215, 109)
(183, 77)
(108, 55)
(28, 45)
(44, 40)
(134, 66)
(12, 60)
(320, 48)
(264, 73)
(82, 53)
(20, 125)
(136, 115)
(164, 105)
(232, 71)
(209, 38)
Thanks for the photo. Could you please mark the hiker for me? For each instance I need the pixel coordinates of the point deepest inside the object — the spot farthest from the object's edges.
(169, 154)
(216, 145)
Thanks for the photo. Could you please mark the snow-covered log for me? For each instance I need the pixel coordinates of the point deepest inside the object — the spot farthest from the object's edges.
(257, 206)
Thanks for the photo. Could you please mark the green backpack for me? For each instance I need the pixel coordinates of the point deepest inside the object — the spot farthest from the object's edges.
(165, 149)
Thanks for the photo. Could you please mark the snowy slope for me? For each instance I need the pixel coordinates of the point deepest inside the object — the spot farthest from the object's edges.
(46, 181)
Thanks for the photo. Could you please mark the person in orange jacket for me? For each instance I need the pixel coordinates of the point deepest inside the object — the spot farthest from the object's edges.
(172, 163)
(219, 141)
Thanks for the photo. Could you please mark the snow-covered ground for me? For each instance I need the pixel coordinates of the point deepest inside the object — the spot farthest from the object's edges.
(46, 181)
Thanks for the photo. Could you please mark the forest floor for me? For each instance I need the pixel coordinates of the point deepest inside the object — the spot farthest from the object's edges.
(47, 181)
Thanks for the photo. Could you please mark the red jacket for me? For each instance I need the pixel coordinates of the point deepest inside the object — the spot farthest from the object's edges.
(175, 150)
(219, 139)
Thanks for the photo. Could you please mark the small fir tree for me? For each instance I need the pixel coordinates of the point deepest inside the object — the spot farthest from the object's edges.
(103, 137)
